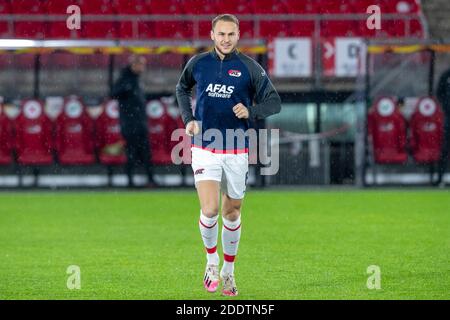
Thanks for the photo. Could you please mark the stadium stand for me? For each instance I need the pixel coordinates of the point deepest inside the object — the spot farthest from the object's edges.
(114, 19)
(170, 29)
(98, 29)
(5, 9)
(29, 29)
(181, 21)
(143, 29)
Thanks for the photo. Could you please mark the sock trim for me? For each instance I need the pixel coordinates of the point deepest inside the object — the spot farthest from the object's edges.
(209, 227)
(230, 229)
(211, 250)
(228, 258)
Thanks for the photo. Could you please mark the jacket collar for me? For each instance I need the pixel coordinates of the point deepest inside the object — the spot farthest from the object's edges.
(229, 56)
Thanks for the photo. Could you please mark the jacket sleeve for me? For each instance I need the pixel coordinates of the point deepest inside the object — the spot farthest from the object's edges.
(184, 91)
(266, 97)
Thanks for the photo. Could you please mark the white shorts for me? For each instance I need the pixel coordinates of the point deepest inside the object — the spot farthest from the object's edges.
(231, 170)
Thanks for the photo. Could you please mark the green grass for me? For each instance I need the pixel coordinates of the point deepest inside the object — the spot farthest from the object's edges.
(294, 245)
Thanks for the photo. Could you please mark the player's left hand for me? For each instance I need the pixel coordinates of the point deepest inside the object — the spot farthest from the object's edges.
(241, 111)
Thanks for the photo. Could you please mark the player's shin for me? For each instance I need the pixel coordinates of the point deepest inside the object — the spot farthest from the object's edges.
(209, 231)
(231, 233)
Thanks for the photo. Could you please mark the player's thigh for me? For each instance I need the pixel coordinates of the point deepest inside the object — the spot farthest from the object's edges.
(207, 175)
(208, 192)
(235, 168)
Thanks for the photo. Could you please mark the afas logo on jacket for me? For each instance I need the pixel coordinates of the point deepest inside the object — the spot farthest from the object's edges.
(219, 90)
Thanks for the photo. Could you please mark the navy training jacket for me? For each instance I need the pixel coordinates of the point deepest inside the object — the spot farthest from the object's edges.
(221, 84)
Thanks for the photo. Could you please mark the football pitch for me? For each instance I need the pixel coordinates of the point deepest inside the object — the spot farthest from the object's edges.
(294, 245)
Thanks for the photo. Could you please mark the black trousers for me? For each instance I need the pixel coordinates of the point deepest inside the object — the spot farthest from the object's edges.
(138, 153)
(443, 162)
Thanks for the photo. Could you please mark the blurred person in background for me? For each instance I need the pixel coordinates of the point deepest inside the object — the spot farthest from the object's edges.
(133, 119)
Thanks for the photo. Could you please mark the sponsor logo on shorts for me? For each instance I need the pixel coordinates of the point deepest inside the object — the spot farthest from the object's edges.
(199, 171)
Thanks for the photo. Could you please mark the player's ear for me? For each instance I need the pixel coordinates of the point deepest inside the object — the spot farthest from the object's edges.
(212, 35)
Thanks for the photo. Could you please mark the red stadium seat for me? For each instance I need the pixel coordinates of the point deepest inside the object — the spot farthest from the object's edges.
(361, 30)
(246, 29)
(74, 134)
(4, 31)
(416, 28)
(98, 29)
(5, 9)
(426, 126)
(108, 138)
(300, 7)
(334, 7)
(6, 138)
(399, 6)
(134, 29)
(29, 29)
(302, 28)
(270, 28)
(170, 29)
(269, 7)
(200, 7)
(204, 7)
(360, 6)
(33, 130)
(399, 28)
(58, 29)
(387, 130)
(236, 7)
(346, 28)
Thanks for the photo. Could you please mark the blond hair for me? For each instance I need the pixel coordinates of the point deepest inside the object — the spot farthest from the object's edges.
(225, 17)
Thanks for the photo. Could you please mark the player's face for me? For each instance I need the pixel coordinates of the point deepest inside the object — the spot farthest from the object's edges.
(225, 36)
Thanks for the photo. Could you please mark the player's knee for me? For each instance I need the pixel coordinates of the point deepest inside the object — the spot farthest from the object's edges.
(232, 213)
(210, 211)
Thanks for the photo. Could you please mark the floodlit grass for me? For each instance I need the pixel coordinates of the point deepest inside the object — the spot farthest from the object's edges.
(294, 245)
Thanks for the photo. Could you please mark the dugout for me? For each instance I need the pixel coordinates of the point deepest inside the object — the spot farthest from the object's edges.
(399, 70)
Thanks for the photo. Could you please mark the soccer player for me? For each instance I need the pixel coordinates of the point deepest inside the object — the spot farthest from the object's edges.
(228, 82)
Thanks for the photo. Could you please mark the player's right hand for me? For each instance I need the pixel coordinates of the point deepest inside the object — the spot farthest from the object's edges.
(192, 128)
